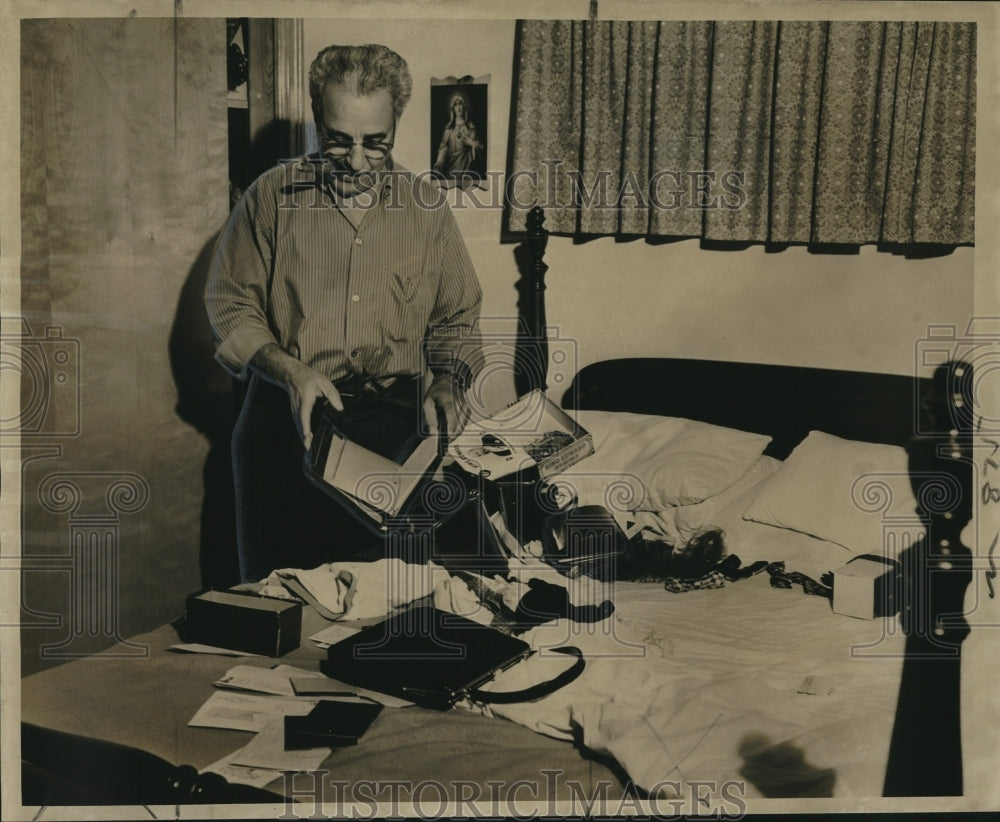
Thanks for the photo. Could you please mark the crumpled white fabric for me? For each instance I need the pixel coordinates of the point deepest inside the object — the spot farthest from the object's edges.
(452, 594)
(359, 590)
(366, 590)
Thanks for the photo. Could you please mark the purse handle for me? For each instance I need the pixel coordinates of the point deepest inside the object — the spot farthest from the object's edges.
(535, 691)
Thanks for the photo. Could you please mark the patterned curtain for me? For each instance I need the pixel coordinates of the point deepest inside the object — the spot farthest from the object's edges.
(773, 132)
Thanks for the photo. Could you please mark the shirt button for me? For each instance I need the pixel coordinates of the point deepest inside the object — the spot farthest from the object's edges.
(355, 298)
(354, 354)
(358, 241)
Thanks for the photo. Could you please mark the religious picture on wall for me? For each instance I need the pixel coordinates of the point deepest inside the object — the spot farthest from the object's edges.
(458, 130)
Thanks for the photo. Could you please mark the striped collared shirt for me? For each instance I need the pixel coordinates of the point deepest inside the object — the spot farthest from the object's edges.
(290, 268)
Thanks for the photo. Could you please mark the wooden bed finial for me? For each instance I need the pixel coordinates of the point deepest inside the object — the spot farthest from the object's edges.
(531, 367)
(925, 754)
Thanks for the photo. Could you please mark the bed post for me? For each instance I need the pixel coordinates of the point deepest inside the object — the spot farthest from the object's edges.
(532, 357)
(925, 754)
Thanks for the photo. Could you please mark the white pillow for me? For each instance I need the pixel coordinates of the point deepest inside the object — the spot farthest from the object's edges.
(674, 461)
(842, 491)
(701, 461)
(715, 511)
(678, 524)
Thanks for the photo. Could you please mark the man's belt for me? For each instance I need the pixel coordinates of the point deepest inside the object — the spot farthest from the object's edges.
(358, 385)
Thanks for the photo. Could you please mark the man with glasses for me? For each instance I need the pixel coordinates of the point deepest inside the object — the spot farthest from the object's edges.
(338, 279)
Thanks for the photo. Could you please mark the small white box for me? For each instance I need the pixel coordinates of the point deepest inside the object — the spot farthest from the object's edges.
(866, 587)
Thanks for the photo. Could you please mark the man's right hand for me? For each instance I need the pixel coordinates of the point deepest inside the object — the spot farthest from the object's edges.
(304, 386)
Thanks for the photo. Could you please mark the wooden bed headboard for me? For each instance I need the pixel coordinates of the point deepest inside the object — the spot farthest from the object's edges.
(785, 402)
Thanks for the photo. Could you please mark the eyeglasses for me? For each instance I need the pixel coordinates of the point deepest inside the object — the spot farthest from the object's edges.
(341, 148)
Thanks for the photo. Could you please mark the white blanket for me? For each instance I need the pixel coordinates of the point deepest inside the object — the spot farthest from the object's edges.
(705, 685)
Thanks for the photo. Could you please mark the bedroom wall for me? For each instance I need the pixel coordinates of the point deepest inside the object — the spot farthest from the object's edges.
(124, 184)
(863, 312)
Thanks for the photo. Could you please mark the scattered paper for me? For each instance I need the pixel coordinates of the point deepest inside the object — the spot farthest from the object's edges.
(336, 688)
(278, 682)
(267, 750)
(315, 686)
(291, 671)
(198, 648)
(816, 686)
(247, 712)
(384, 699)
(263, 680)
(242, 774)
(332, 635)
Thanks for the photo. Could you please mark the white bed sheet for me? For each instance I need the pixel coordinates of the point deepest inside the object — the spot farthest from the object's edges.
(764, 689)
(705, 685)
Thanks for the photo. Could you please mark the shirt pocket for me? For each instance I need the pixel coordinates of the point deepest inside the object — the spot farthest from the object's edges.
(407, 312)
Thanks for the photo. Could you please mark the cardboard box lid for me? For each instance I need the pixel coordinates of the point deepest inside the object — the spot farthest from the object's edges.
(366, 476)
(246, 599)
(532, 431)
(867, 566)
(374, 485)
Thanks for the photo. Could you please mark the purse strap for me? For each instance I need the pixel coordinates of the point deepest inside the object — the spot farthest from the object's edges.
(535, 691)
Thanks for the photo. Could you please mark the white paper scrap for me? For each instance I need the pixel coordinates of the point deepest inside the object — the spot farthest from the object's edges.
(198, 648)
(267, 750)
(332, 635)
(262, 680)
(247, 712)
(242, 774)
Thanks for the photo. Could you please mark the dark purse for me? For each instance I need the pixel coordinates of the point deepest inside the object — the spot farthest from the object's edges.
(434, 659)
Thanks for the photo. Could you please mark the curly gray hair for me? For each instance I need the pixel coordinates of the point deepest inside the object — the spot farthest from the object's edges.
(364, 70)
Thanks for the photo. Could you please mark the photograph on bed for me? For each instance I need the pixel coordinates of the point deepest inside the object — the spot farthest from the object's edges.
(703, 353)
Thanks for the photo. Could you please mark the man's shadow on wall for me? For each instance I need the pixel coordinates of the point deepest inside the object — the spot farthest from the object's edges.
(208, 398)
(208, 401)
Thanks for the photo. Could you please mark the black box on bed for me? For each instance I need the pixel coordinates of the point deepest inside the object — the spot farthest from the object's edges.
(243, 621)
